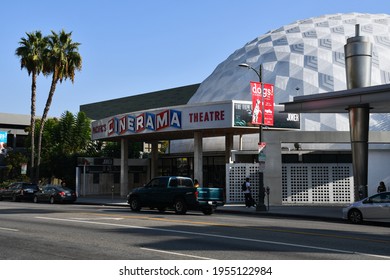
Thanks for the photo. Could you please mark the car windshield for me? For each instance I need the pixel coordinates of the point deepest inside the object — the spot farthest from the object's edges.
(381, 198)
(32, 186)
(46, 188)
(158, 182)
(57, 188)
(184, 182)
(50, 187)
(65, 189)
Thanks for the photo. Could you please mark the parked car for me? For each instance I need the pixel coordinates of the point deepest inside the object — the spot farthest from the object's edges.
(55, 193)
(19, 191)
(373, 208)
(177, 193)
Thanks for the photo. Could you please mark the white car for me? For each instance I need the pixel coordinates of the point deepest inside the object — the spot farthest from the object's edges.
(373, 208)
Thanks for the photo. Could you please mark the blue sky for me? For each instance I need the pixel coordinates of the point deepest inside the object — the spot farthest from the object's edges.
(132, 47)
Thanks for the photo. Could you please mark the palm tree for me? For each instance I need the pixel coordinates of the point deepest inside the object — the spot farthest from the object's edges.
(61, 60)
(30, 53)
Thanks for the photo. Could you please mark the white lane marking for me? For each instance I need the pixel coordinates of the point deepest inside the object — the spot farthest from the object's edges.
(219, 236)
(174, 253)
(98, 219)
(9, 229)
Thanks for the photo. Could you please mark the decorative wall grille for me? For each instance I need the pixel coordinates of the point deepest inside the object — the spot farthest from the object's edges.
(317, 183)
(236, 173)
(301, 183)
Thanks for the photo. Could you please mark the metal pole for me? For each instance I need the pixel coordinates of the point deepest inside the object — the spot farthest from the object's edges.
(84, 179)
(358, 60)
(261, 193)
(268, 192)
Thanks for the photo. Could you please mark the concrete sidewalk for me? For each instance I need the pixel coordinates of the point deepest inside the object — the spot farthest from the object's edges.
(317, 212)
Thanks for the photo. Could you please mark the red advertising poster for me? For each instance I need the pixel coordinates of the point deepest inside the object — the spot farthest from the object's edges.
(256, 103)
(268, 95)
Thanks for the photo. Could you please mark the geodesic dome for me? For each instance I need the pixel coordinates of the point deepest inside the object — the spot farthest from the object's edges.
(302, 58)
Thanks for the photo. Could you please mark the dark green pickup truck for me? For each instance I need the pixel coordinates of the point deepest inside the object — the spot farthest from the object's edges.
(177, 193)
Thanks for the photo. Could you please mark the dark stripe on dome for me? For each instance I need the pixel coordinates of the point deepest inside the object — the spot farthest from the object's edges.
(326, 82)
(311, 62)
(297, 48)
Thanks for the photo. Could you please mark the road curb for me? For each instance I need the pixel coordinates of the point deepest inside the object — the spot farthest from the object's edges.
(236, 212)
(280, 215)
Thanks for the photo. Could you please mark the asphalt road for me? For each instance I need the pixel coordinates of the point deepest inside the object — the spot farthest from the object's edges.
(31, 231)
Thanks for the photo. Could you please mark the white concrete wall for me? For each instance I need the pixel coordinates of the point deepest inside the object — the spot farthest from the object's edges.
(378, 169)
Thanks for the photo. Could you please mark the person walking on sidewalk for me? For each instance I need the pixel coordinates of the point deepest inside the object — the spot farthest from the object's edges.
(246, 189)
(381, 187)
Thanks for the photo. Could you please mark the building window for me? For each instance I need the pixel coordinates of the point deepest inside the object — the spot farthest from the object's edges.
(147, 148)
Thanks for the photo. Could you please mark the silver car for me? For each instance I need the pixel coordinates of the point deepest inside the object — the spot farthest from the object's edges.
(373, 208)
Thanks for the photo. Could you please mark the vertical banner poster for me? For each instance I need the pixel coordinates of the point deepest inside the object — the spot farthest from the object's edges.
(3, 137)
(256, 103)
(3, 142)
(268, 96)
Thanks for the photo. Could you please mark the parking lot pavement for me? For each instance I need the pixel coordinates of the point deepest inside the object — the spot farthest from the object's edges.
(319, 212)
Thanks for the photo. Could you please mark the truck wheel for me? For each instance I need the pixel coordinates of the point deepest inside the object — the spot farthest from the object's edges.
(208, 210)
(134, 204)
(180, 206)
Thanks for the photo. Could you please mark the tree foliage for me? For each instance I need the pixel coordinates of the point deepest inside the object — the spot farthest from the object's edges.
(64, 140)
(56, 55)
(61, 60)
(14, 161)
(113, 149)
(30, 52)
(59, 141)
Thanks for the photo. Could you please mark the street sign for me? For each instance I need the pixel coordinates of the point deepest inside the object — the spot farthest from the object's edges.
(262, 146)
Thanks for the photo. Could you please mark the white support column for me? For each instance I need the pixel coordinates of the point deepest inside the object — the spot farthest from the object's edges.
(154, 160)
(198, 157)
(78, 180)
(273, 167)
(228, 148)
(124, 167)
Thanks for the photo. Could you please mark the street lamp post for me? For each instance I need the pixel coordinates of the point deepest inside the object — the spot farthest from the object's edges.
(260, 206)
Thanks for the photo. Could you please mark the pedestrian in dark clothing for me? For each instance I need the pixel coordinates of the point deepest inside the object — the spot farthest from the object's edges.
(381, 187)
(246, 189)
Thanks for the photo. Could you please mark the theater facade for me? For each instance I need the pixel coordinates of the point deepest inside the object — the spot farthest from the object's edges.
(210, 139)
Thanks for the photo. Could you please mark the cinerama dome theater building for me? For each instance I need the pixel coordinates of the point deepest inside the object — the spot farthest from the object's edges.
(302, 58)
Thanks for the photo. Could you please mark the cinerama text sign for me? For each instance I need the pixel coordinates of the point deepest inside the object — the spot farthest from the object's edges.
(204, 116)
(188, 117)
